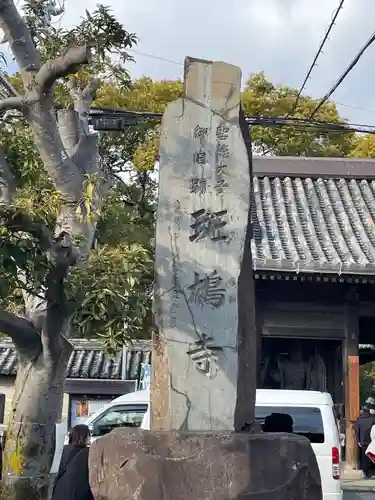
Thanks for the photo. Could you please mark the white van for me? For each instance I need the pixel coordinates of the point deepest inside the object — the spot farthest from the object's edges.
(312, 414)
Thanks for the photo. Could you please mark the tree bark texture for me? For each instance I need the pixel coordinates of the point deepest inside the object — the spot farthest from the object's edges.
(30, 443)
(70, 153)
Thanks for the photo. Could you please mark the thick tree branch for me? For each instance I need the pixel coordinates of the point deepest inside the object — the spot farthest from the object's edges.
(17, 102)
(57, 307)
(83, 100)
(16, 222)
(20, 41)
(62, 66)
(23, 333)
(7, 185)
(143, 180)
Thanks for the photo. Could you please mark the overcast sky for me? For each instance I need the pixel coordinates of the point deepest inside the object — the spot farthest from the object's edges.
(279, 37)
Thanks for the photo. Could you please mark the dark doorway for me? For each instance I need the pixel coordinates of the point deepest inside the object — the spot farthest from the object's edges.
(302, 364)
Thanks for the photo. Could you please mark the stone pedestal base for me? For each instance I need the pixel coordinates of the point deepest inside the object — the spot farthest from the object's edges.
(350, 474)
(145, 465)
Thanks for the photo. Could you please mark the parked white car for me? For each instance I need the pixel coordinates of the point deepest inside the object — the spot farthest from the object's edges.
(312, 414)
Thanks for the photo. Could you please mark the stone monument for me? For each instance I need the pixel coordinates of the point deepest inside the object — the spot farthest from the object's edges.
(204, 356)
(204, 365)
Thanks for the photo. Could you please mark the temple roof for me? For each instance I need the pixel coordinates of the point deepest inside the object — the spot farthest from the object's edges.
(89, 361)
(314, 215)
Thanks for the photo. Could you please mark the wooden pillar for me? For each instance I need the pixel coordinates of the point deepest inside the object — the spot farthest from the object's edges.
(351, 379)
(259, 324)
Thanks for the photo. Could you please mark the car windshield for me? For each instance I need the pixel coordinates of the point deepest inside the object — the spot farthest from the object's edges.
(120, 416)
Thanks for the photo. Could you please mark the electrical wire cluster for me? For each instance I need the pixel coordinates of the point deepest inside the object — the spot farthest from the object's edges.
(339, 81)
(120, 119)
(317, 55)
(312, 66)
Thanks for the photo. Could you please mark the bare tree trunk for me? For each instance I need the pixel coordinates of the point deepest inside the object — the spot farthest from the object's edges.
(30, 443)
(70, 154)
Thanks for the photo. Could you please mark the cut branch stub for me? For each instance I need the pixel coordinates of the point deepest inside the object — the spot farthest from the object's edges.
(69, 128)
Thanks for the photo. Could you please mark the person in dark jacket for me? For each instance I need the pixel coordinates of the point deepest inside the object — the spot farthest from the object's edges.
(72, 480)
(363, 427)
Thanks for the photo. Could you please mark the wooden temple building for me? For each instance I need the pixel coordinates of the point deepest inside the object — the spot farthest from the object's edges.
(313, 253)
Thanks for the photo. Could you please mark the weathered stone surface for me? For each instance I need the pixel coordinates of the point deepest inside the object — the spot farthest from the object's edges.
(144, 465)
(202, 255)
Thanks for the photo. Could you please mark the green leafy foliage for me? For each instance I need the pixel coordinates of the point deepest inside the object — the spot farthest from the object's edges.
(366, 381)
(112, 293)
(363, 146)
(22, 156)
(100, 30)
(262, 98)
(108, 294)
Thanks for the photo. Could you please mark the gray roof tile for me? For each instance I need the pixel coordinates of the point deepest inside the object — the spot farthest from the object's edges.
(89, 362)
(314, 225)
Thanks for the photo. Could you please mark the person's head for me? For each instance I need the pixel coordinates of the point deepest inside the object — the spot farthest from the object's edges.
(79, 435)
(278, 422)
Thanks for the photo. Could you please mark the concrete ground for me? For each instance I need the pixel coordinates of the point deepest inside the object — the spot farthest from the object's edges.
(358, 495)
(352, 480)
(358, 485)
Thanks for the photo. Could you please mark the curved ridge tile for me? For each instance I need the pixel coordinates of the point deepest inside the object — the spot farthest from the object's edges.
(332, 225)
(344, 223)
(89, 362)
(263, 250)
(307, 224)
(296, 221)
(321, 227)
(272, 229)
(353, 206)
(286, 239)
(362, 209)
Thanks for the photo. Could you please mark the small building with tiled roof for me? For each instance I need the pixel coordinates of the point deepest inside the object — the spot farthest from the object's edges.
(93, 377)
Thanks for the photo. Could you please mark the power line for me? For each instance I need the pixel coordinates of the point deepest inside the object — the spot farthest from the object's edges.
(367, 110)
(312, 66)
(121, 119)
(155, 57)
(339, 81)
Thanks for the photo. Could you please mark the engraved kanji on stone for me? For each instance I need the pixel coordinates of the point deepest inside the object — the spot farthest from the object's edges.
(200, 132)
(198, 185)
(231, 282)
(207, 290)
(208, 224)
(222, 152)
(220, 185)
(220, 170)
(204, 355)
(199, 157)
(222, 132)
